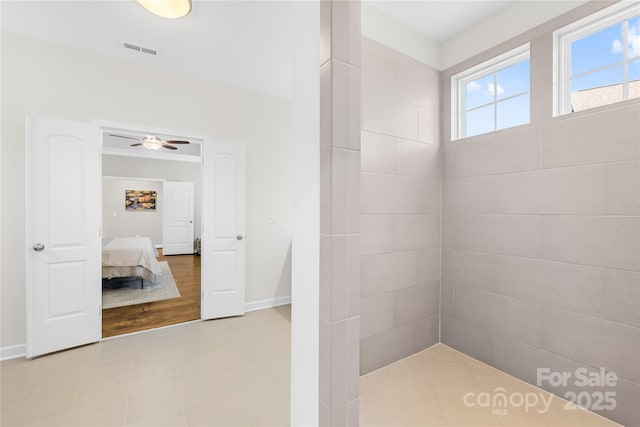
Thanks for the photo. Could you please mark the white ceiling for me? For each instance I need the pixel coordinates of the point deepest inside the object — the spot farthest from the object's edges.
(241, 43)
(438, 20)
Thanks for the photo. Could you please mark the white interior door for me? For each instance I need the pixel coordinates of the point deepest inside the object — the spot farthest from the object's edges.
(178, 207)
(63, 235)
(223, 231)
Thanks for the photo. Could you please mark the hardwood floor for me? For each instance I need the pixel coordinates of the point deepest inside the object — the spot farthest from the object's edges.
(186, 272)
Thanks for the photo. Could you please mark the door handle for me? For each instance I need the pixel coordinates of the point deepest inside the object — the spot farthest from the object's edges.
(240, 237)
(38, 247)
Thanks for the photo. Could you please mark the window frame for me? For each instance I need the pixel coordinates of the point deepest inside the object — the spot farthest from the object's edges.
(563, 38)
(491, 66)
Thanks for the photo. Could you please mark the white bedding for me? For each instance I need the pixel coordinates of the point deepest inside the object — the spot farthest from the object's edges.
(130, 256)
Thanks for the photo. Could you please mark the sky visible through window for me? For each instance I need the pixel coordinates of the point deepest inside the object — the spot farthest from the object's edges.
(499, 100)
(602, 49)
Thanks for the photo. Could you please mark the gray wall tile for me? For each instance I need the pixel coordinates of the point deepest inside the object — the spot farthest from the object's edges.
(623, 296)
(468, 195)
(523, 361)
(571, 287)
(579, 190)
(507, 316)
(601, 241)
(377, 314)
(519, 235)
(401, 192)
(592, 341)
(387, 347)
(507, 151)
(376, 233)
(467, 338)
(623, 188)
(541, 237)
(465, 268)
(377, 149)
(593, 137)
(387, 272)
(413, 158)
(417, 231)
(415, 303)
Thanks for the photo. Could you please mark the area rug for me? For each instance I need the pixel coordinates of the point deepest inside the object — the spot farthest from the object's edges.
(127, 291)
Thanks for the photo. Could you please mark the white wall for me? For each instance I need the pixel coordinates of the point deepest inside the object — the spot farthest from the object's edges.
(66, 83)
(491, 31)
(118, 222)
(157, 169)
(503, 25)
(398, 36)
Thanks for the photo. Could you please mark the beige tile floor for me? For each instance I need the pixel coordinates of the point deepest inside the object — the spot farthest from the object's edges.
(217, 373)
(427, 389)
(236, 372)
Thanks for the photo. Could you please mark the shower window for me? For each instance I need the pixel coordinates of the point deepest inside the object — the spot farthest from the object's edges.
(598, 59)
(493, 95)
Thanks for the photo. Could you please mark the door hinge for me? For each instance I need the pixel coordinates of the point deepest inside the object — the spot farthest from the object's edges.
(100, 310)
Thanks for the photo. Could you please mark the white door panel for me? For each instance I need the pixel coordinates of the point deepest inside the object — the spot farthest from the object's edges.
(178, 232)
(223, 236)
(63, 214)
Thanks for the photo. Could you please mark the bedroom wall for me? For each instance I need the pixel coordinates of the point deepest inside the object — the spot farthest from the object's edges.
(157, 169)
(540, 239)
(42, 78)
(118, 222)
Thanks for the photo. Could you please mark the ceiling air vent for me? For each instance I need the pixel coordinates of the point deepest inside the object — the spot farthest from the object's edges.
(140, 49)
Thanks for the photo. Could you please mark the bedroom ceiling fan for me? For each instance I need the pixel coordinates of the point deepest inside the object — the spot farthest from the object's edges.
(152, 142)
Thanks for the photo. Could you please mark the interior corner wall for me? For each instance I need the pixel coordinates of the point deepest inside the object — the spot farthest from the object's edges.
(400, 206)
(541, 238)
(169, 170)
(118, 222)
(43, 78)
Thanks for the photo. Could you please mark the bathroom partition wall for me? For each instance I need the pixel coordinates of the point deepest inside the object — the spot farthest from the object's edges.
(400, 196)
(541, 238)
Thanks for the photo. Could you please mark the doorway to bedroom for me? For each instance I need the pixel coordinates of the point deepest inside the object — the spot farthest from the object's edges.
(151, 216)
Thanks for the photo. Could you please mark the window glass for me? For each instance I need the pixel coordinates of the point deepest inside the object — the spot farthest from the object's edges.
(478, 92)
(482, 95)
(513, 112)
(598, 61)
(480, 120)
(514, 79)
(597, 50)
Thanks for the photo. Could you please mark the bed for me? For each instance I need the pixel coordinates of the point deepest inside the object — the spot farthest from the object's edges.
(130, 257)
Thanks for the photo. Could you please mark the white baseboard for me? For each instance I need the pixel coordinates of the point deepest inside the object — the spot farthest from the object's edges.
(20, 350)
(13, 351)
(267, 303)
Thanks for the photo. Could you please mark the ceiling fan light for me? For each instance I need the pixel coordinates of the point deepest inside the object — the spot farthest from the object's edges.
(171, 9)
(151, 142)
(151, 145)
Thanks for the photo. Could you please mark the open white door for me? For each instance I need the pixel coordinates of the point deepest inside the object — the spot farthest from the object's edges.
(177, 222)
(223, 231)
(62, 235)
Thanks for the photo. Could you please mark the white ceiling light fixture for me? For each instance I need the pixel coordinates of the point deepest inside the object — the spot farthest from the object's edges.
(171, 9)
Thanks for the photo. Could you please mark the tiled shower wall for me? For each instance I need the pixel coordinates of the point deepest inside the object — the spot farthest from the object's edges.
(400, 195)
(541, 242)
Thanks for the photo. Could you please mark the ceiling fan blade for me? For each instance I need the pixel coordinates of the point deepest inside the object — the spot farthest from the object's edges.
(135, 145)
(171, 141)
(169, 147)
(122, 136)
